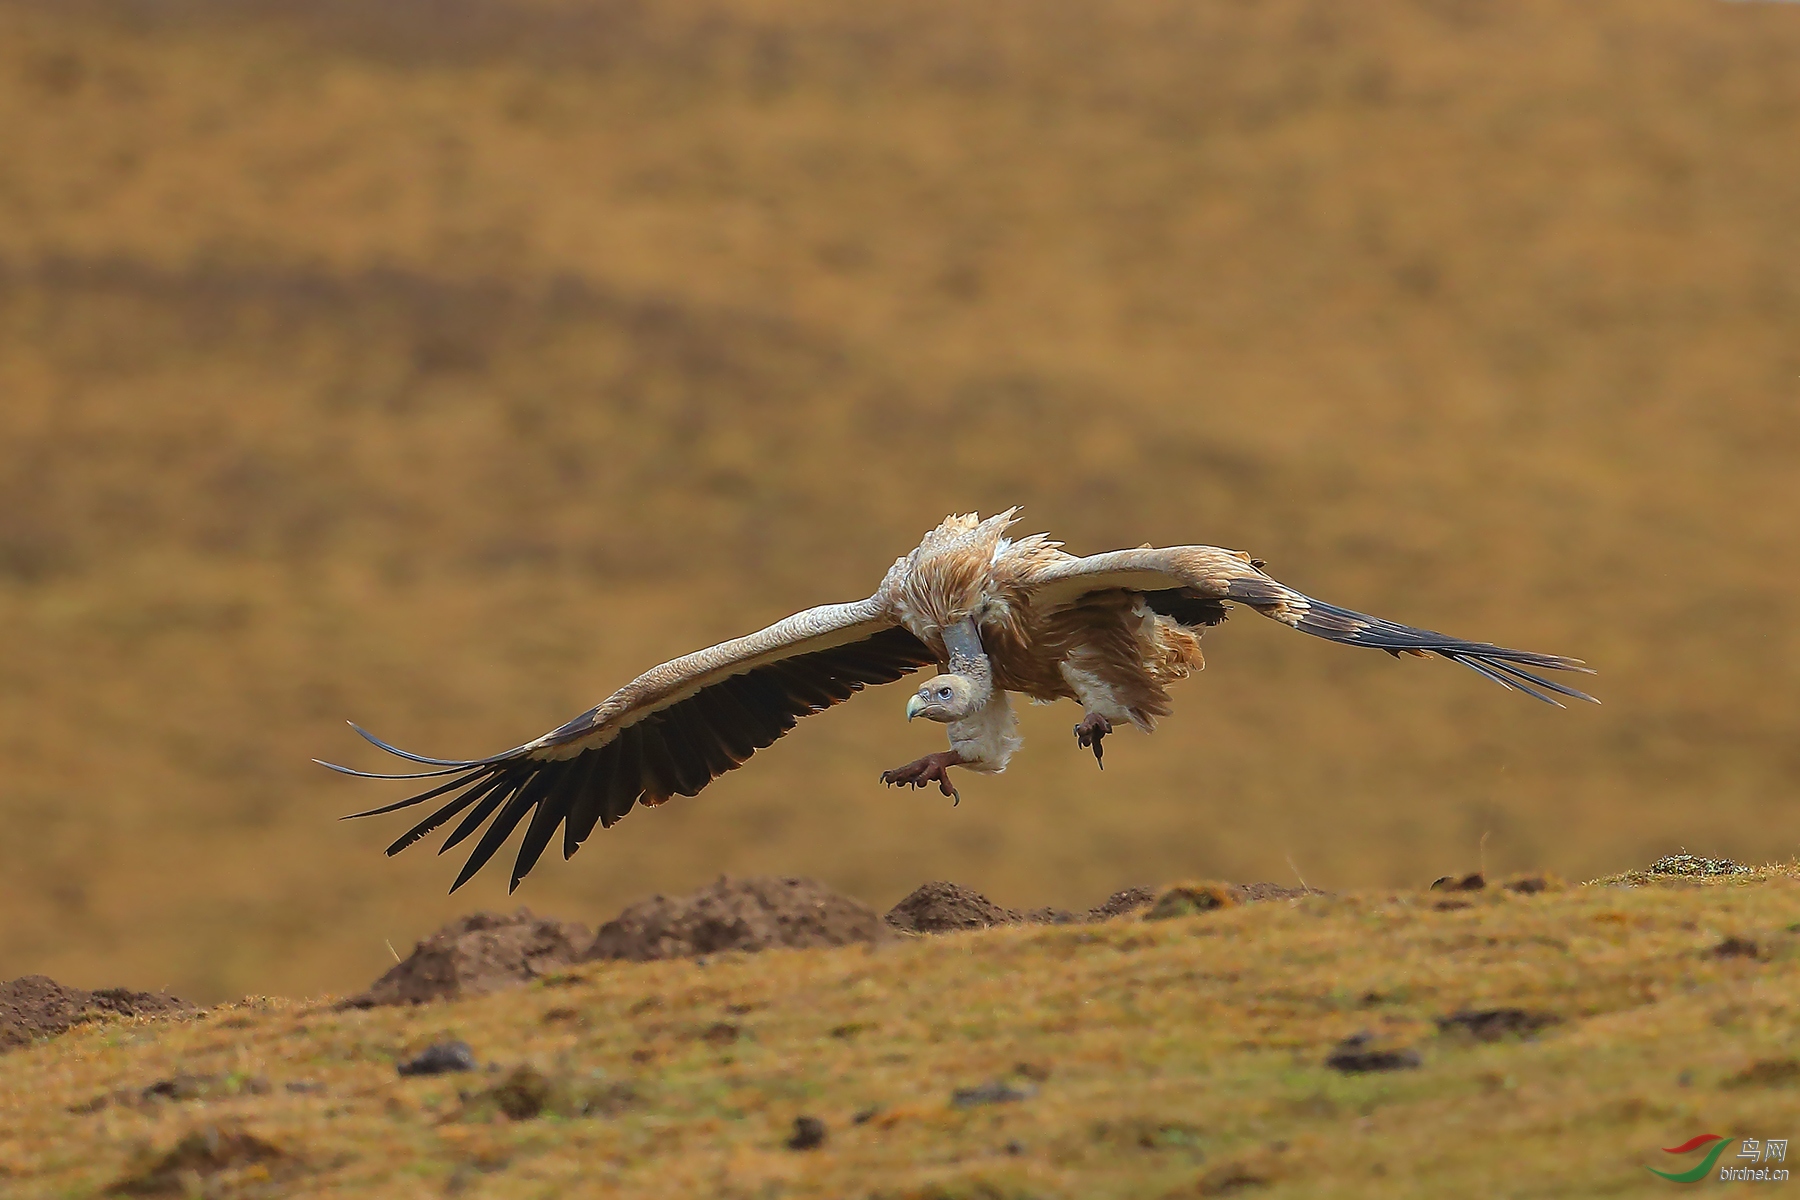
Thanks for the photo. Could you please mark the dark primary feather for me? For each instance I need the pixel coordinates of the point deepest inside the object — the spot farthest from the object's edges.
(676, 750)
(1504, 666)
(1186, 607)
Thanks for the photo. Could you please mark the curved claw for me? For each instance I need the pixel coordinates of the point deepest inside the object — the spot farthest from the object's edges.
(933, 768)
(1090, 731)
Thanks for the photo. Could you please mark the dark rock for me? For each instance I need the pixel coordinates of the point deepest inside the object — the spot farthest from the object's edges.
(203, 1087)
(1356, 1056)
(482, 952)
(994, 1092)
(1493, 1024)
(182, 1087)
(757, 913)
(1232, 1178)
(440, 1059)
(36, 1006)
(809, 1134)
(1737, 947)
(525, 1093)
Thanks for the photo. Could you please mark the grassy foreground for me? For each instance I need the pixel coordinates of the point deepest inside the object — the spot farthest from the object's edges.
(442, 364)
(1175, 1057)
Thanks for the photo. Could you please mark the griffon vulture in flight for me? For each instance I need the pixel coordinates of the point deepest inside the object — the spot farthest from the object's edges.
(998, 615)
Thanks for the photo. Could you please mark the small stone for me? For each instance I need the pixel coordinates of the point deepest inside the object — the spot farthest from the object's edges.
(181, 1087)
(441, 1059)
(1493, 1024)
(1231, 1178)
(1354, 1056)
(994, 1092)
(809, 1134)
(1737, 947)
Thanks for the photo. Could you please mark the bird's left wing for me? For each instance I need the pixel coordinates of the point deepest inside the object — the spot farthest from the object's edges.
(670, 731)
(1193, 585)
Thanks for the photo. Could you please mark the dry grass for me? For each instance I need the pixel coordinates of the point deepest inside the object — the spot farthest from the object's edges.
(442, 365)
(1153, 1057)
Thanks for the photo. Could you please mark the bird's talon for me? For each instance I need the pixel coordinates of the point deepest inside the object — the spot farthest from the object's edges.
(1089, 733)
(933, 768)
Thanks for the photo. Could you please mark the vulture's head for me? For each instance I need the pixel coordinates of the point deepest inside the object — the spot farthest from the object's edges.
(946, 698)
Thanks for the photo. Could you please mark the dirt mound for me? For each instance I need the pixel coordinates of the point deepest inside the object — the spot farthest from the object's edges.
(201, 1158)
(37, 1006)
(486, 951)
(1120, 903)
(737, 914)
(944, 907)
(481, 952)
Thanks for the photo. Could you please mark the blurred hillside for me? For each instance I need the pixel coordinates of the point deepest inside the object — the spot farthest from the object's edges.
(442, 363)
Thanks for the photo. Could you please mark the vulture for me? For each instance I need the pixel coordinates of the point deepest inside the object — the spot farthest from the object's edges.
(997, 615)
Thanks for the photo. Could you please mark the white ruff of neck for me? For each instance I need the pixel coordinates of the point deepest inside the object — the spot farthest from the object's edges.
(988, 736)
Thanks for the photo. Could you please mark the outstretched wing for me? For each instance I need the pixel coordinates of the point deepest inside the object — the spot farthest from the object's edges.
(669, 732)
(1193, 584)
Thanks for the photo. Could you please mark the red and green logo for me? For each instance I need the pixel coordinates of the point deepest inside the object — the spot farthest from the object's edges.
(1718, 1145)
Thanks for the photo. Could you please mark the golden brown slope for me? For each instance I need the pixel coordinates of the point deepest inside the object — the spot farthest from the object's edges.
(442, 366)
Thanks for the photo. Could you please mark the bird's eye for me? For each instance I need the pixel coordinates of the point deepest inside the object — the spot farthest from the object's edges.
(943, 693)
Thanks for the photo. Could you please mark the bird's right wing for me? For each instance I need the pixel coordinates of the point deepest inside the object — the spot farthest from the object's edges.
(670, 731)
(1193, 584)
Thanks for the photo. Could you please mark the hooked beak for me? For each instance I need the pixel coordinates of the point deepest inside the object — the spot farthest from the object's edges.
(913, 706)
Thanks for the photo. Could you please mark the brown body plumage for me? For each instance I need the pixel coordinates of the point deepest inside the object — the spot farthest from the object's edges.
(967, 569)
(1109, 631)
